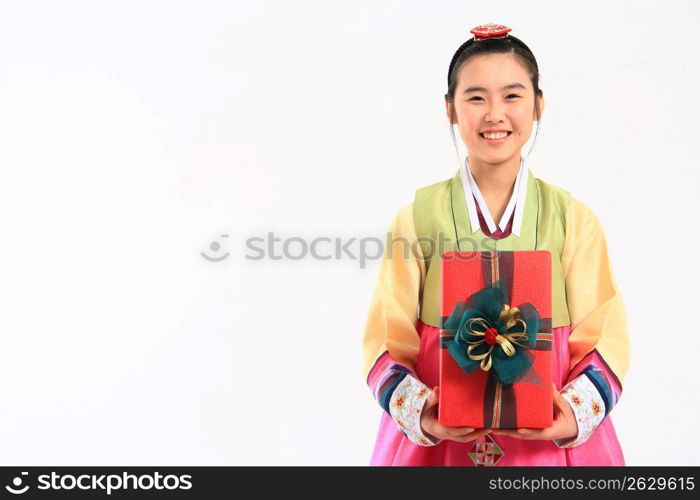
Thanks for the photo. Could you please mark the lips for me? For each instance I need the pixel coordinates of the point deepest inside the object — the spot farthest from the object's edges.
(507, 131)
(494, 142)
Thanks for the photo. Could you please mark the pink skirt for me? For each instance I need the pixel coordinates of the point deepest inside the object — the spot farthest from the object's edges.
(393, 448)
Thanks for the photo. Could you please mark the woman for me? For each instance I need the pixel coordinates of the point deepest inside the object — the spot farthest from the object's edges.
(493, 97)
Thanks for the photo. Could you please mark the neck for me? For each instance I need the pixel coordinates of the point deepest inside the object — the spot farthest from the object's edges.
(495, 178)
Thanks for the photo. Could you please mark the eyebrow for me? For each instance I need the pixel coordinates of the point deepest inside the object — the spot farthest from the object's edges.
(483, 89)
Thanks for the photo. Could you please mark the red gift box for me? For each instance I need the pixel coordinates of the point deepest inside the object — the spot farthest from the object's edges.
(478, 399)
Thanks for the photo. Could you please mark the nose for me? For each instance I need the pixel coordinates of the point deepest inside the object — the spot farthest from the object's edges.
(494, 113)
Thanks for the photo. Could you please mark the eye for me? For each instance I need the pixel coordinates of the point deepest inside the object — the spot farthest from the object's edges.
(509, 96)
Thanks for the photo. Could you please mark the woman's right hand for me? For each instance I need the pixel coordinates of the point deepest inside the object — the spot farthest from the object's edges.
(433, 429)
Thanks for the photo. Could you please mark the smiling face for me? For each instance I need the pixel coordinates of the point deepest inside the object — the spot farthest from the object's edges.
(494, 92)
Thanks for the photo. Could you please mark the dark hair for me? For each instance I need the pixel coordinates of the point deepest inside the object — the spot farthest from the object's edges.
(507, 45)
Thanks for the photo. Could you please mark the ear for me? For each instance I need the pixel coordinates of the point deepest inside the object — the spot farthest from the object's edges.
(449, 111)
(540, 100)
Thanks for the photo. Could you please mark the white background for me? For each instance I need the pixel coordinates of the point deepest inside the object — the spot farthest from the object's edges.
(134, 134)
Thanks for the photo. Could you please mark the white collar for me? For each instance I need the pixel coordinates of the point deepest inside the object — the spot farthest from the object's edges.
(516, 202)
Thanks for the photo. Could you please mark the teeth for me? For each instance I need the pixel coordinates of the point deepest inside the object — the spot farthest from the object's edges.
(499, 135)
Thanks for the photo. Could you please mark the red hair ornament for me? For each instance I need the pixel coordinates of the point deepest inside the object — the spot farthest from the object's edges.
(486, 31)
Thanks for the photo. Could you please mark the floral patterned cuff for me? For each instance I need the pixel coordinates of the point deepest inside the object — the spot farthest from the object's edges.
(588, 406)
(406, 407)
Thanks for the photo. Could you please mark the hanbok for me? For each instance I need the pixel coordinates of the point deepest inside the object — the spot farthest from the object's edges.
(590, 353)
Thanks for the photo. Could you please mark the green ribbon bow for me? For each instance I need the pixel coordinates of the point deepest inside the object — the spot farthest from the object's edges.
(487, 333)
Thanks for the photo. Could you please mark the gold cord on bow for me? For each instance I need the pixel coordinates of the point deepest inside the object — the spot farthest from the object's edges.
(510, 316)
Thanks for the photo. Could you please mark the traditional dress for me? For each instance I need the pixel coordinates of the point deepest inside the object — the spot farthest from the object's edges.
(590, 354)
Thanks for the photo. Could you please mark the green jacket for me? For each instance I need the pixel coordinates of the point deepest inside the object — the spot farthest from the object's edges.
(440, 217)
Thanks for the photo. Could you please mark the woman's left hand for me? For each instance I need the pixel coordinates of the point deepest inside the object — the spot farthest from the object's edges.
(563, 427)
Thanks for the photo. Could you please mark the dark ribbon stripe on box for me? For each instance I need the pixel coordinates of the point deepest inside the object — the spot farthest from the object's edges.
(499, 400)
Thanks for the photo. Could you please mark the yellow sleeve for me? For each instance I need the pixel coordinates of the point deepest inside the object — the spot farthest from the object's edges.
(393, 311)
(598, 319)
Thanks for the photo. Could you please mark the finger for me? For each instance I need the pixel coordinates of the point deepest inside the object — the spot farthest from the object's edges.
(510, 432)
(461, 430)
(457, 431)
(460, 439)
(478, 433)
(470, 437)
(504, 432)
(527, 431)
(520, 433)
(473, 432)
